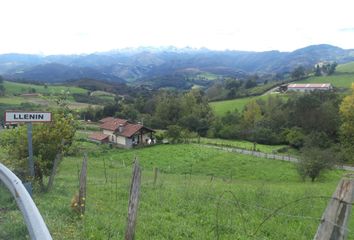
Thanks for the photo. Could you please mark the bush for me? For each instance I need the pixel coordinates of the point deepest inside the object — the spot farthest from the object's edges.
(314, 161)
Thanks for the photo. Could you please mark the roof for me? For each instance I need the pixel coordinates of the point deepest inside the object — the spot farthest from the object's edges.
(98, 136)
(113, 124)
(103, 120)
(310, 85)
(130, 129)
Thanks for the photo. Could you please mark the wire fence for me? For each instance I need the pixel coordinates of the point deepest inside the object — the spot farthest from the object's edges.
(231, 212)
(208, 207)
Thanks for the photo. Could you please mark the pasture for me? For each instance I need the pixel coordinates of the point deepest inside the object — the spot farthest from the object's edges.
(342, 78)
(15, 88)
(200, 193)
(222, 107)
(338, 80)
(345, 68)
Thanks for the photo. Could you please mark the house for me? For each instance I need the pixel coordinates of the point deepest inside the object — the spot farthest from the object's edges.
(122, 133)
(307, 87)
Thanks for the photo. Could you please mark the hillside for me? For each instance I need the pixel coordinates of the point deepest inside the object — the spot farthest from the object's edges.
(16, 88)
(221, 107)
(149, 65)
(54, 72)
(199, 193)
(342, 78)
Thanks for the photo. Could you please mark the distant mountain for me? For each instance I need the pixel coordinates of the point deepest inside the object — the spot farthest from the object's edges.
(165, 65)
(54, 72)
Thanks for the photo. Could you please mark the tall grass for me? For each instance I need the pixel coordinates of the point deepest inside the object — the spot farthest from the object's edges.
(200, 193)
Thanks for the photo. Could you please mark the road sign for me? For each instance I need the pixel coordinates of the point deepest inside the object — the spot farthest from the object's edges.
(16, 116)
(29, 118)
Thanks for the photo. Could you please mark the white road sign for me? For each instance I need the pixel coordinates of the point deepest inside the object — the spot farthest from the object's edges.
(14, 116)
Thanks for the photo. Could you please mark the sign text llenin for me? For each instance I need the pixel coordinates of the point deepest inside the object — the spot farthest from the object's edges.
(27, 116)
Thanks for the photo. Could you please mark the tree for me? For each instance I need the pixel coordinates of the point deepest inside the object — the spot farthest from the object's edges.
(252, 114)
(314, 161)
(347, 127)
(332, 68)
(2, 88)
(49, 139)
(174, 133)
(298, 73)
(318, 71)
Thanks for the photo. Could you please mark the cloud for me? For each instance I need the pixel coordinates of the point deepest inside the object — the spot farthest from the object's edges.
(351, 29)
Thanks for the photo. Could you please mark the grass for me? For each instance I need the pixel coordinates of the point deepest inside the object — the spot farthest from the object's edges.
(243, 144)
(194, 197)
(221, 107)
(15, 88)
(345, 68)
(11, 100)
(342, 80)
(207, 76)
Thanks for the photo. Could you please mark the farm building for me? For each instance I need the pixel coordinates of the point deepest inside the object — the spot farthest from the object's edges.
(307, 87)
(122, 133)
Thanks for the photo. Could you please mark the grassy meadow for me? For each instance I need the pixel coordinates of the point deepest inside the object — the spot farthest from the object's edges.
(345, 68)
(14, 100)
(342, 78)
(200, 193)
(15, 88)
(222, 107)
(278, 149)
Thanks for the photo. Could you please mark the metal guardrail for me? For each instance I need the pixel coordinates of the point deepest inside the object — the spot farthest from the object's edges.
(36, 227)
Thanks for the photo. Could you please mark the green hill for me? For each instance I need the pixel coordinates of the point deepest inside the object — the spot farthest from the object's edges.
(342, 78)
(14, 88)
(346, 68)
(338, 80)
(221, 107)
(200, 193)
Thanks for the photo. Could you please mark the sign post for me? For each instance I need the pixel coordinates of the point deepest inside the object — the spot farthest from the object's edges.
(28, 117)
(30, 150)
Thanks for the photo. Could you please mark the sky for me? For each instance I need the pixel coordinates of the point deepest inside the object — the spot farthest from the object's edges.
(87, 26)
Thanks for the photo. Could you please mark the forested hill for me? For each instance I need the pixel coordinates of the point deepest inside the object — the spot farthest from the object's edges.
(154, 63)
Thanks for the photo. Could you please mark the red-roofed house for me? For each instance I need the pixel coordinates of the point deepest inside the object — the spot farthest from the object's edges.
(122, 133)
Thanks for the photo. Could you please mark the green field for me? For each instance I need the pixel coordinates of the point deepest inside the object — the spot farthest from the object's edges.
(345, 68)
(221, 107)
(342, 78)
(244, 145)
(207, 76)
(20, 88)
(11, 100)
(337, 80)
(200, 193)
(14, 90)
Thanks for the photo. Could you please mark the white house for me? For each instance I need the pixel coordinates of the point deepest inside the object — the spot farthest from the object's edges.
(122, 133)
(307, 87)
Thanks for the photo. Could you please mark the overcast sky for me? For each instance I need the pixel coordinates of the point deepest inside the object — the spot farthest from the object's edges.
(86, 26)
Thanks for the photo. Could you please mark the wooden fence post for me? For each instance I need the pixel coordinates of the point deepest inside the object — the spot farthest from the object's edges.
(334, 221)
(54, 171)
(156, 170)
(133, 202)
(82, 188)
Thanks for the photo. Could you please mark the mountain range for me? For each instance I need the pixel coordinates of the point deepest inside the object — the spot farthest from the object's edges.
(145, 64)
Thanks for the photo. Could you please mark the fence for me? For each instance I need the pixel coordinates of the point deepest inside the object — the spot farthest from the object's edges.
(192, 206)
(208, 207)
(35, 224)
